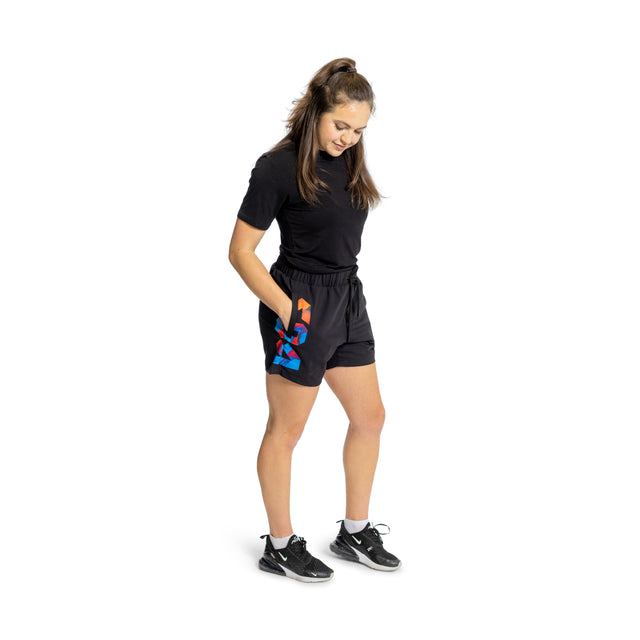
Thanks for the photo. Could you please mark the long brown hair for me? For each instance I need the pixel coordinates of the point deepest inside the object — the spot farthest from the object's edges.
(336, 83)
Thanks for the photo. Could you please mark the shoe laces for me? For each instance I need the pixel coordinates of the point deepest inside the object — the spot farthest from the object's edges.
(299, 548)
(376, 533)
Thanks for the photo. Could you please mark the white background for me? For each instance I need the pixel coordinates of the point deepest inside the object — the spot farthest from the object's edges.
(501, 273)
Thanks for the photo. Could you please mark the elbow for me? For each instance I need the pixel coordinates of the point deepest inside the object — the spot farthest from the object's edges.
(235, 257)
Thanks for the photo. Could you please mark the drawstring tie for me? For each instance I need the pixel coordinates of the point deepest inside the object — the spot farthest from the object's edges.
(356, 297)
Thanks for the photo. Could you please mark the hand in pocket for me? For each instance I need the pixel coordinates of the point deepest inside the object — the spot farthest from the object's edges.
(287, 321)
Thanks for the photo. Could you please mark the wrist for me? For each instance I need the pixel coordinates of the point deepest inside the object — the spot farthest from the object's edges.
(285, 309)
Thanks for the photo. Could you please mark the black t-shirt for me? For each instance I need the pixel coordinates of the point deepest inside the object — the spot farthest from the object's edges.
(316, 238)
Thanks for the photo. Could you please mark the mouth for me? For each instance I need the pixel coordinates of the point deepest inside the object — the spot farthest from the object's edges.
(339, 146)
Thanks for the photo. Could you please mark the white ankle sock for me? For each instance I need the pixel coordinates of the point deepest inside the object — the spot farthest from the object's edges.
(353, 526)
(279, 543)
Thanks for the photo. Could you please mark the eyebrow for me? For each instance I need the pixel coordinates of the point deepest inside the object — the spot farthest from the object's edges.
(348, 125)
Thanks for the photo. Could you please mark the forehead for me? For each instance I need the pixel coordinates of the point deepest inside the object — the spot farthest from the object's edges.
(356, 114)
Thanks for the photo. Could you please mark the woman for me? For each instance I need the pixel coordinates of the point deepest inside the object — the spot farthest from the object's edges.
(312, 314)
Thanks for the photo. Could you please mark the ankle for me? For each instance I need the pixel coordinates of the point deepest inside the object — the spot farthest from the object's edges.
(281, 542)
(353, 526)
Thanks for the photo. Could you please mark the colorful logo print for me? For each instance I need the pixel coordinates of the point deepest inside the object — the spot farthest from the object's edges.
(286, 355)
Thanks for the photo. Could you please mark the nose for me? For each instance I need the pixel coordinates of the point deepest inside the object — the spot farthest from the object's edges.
(347, 139)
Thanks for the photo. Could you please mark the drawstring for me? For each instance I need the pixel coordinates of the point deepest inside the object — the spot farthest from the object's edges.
(355, 297)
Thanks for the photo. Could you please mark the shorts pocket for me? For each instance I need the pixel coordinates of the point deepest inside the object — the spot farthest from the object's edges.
(294, 310)
(287, 285)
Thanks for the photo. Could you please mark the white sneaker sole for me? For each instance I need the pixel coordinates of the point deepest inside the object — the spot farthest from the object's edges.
(358, 556)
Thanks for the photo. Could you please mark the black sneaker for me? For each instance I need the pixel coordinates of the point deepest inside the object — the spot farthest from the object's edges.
(366, 547)
(294, 561)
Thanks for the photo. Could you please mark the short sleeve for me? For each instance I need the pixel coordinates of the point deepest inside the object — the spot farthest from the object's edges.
(265, 195)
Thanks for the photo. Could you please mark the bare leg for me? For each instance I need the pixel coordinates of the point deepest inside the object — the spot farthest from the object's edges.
(357, 390)
(289, 408)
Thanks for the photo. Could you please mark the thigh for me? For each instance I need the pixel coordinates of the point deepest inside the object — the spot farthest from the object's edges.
(358, 391)
(289, 403)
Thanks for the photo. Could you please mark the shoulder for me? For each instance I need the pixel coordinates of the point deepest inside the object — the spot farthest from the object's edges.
(282, 158)
(276, 168)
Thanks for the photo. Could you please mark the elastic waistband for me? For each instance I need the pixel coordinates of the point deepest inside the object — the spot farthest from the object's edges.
(322, 279)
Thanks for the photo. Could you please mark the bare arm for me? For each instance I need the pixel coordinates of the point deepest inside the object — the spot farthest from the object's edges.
(242, 256)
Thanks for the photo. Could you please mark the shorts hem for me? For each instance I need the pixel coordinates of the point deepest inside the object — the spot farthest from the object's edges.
(350, 364)
(279, 371)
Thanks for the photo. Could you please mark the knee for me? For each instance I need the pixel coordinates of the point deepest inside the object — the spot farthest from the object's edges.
(370, 423)
(285, 432)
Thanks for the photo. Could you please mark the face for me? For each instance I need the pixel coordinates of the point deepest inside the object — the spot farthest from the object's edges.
(342, 128)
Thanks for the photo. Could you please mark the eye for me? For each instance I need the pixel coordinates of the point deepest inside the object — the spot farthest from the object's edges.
(340, 128)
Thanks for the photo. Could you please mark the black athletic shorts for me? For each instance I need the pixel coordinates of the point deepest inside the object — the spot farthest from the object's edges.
(329, 325)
